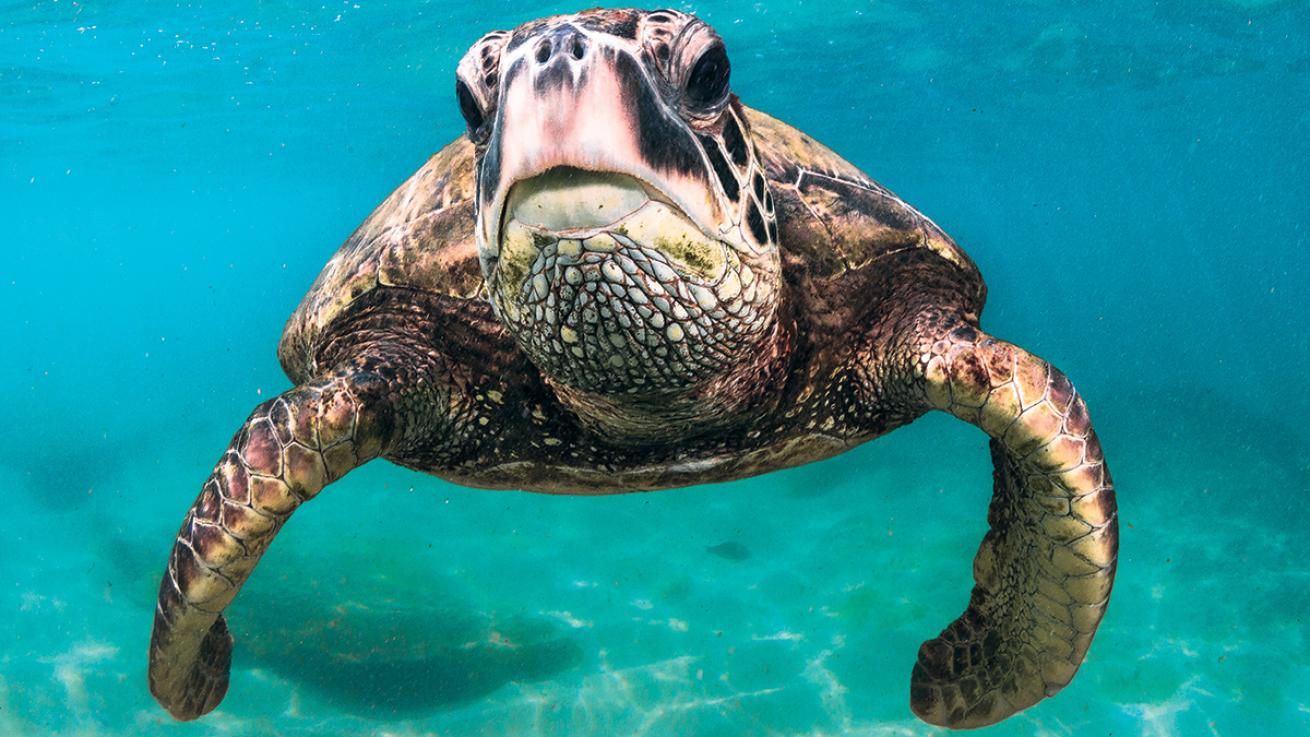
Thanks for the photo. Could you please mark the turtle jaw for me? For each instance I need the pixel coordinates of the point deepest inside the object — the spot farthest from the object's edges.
(567, 203)
(636, 301)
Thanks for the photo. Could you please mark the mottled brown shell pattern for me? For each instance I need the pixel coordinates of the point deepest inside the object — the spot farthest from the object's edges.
(421, 237)
(832, 220)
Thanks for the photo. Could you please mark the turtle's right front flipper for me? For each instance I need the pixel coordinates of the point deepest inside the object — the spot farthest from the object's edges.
(287, 451)
(1044, 571)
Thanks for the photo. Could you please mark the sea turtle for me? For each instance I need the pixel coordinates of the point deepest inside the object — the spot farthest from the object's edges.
(623, 279)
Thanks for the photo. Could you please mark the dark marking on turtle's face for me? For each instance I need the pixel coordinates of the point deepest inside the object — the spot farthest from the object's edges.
(625, 228)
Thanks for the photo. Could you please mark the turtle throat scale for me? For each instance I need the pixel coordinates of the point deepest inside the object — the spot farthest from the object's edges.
(636, 316)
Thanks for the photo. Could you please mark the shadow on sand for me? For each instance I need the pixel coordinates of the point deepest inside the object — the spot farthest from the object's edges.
(370, 630)
(61, 471)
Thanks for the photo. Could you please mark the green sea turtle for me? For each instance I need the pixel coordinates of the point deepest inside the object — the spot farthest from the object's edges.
(622, 279)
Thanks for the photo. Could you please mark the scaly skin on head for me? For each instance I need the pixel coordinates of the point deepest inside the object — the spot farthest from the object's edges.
(626, 231)
(623, 279)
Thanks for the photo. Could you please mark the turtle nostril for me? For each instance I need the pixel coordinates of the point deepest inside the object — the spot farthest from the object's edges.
(559, 45)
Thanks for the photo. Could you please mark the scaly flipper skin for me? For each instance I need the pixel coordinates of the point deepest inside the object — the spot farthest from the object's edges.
(1044, 571)
(289, 449)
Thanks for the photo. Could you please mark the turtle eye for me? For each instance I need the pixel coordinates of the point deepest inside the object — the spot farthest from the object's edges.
(468, 106)
(707, 85)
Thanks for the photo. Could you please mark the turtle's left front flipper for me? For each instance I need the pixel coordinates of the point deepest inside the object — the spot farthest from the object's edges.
(1045, 568)
(289, 449)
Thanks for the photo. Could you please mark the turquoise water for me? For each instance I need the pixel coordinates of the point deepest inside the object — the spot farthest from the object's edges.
(1133, 179)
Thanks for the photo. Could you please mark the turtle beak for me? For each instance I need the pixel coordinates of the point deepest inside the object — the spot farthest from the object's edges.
(574, 99)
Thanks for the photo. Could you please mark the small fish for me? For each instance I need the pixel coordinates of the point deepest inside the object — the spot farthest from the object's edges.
(730, 550)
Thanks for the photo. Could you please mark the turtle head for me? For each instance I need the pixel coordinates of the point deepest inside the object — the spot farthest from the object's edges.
(624, 225)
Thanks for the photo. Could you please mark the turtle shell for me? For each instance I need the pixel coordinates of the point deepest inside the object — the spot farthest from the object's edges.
(421, 237)
(836, 219)
(833, 219)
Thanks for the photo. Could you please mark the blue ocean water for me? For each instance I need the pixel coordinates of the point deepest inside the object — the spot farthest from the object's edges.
(1133, 179)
